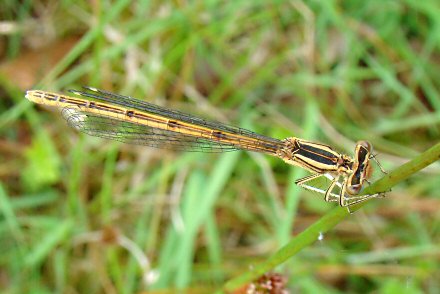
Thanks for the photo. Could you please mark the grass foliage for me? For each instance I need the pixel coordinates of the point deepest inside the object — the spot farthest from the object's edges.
(83, 215)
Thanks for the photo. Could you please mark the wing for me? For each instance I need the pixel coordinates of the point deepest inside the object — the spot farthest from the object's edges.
(110, 127)
(247, 140)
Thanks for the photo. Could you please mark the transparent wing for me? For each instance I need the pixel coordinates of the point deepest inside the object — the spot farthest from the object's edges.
(130, 102)
(132, 133)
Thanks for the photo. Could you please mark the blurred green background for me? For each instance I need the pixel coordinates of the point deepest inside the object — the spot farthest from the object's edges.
(84, 215)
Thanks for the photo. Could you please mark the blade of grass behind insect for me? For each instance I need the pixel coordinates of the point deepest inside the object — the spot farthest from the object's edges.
(159, 198)
(422, 66)
(46, 244)
(393, 254)
(12, 238)
(74, 203)
(430, 8)
(14, 43)
(114, 52)
(198, 212)
(260, 76)
(131, 278)
(166, 263)
(105, 195)
(420, 232)
(7, 210)
(60, 265)
(169, 243)
(84, 43)
(309, 284)
(424, 120)
(198, 201)
(14, 112)
(98, 44)
(292, 194)
(333, 217)
(170, 258)
(407, 98)
(33, 201)
(192, 196)
(171, 167)
(212, 234)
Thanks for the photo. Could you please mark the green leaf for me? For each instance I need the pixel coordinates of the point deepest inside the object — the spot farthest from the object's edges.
(43, 163)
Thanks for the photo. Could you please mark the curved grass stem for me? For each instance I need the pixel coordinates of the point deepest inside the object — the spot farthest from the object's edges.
(333, 217)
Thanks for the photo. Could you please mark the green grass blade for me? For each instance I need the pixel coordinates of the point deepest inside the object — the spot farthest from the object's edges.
(48, 243)
(334, 217)
(7, 210)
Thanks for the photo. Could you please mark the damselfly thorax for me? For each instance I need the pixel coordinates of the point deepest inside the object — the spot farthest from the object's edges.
(126, 119)
(347, 175)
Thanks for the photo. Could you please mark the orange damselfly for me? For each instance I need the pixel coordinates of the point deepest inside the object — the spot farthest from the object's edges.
(104, 114)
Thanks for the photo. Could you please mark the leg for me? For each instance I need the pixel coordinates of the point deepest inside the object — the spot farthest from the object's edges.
(347, 200)
(303, 184)
(329, 193)
(304, 180)
(378, 164)
(352, 200)
(343, 195)
(343, 199)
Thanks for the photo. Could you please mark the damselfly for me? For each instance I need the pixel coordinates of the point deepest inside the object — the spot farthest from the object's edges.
(126, 119)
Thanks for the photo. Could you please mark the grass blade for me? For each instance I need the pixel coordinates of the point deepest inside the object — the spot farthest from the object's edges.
(334, 217)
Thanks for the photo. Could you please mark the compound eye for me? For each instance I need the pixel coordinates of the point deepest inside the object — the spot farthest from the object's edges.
(365, 144)
(353, 189)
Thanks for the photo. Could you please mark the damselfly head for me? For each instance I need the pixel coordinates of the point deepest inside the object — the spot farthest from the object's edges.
(361, 170)
(364, 144)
